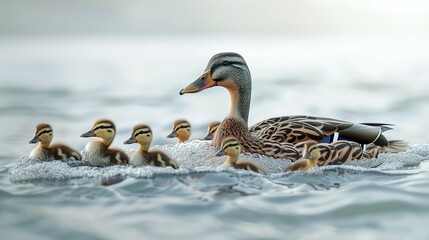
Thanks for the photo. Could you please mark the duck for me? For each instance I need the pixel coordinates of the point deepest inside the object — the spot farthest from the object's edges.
(181, 130)
(45, 151)
(308, 161)
(231, 147)
(275, 136)
(211, 129)
(143, 156)
(99, 153)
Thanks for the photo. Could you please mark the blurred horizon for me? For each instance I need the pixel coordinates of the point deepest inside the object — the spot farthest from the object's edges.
(283, 17)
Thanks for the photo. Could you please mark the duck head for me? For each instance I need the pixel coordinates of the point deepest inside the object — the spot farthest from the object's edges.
(181, 130)
(104, 129)
(230, 147)
(142, 134)
(228, 70)
(43, 134)
(211, 129)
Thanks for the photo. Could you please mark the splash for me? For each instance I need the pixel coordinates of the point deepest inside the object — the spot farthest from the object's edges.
(198, 156)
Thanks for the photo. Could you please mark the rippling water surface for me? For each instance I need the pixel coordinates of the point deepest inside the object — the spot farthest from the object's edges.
(72, 82)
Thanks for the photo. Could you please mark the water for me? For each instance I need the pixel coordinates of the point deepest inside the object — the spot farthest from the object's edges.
(72, 82)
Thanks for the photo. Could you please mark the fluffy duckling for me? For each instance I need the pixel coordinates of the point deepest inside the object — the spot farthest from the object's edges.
(211, 129)
(308, 161)
(142, 134)
(98, 152)
(47, 152)
(181, 130)
(231, 147)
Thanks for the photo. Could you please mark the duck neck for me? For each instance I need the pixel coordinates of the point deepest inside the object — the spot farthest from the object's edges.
(311, 162)
(107, 141)
(230, 161)
(240, 100)
(144, 147)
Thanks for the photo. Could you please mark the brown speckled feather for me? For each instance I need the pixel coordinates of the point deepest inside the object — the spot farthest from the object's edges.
(233, 127)
(63, 152)
(159, 159)
(116, 156)
(347, 151)
(328, 153)
(361, 133)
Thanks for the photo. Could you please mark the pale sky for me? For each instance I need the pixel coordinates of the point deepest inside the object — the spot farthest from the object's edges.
(57, 17)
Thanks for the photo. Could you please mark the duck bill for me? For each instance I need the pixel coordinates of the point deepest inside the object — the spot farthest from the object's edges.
(35, 139)
(173, 134)
(131, 140)
(90, 133)
(208, 137)
(203, 82)
(220, 153)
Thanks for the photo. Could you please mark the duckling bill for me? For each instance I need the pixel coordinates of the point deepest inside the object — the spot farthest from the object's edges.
(98, 152)
(143, 156)
(45, 151)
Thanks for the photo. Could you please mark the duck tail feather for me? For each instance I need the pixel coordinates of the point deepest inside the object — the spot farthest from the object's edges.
(396, 146)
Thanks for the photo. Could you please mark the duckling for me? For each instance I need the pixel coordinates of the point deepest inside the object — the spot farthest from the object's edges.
(181, 130)
(231, 147)
(143, 156)
(98, 152)
(47, 152)
(211, 130)
(308, 161)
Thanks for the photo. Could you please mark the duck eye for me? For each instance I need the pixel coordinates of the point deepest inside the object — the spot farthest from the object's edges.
(226, 63)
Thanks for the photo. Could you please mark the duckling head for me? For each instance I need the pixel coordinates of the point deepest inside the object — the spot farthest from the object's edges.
(230, 71)
(313, 153)
(102, 128)
(181, 130)
(141, 134)
(230, 147)
(211, 130)
(43, 134)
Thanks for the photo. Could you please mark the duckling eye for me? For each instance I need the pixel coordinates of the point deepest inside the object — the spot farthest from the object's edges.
(226, 63)
(109, 130)
(148, 135)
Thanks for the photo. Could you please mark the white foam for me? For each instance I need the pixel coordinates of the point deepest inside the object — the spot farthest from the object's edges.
(198, 156)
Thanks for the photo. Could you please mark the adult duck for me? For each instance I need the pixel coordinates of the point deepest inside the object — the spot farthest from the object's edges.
(274, 137)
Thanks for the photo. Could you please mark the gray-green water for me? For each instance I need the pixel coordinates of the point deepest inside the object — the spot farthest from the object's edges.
(72, 82)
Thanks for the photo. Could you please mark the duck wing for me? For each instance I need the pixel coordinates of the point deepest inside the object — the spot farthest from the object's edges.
(297, 128)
